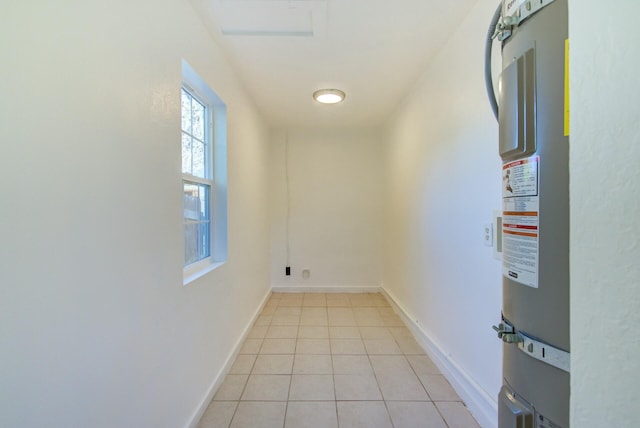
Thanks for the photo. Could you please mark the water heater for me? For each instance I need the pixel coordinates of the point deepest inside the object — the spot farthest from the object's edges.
(532, 111)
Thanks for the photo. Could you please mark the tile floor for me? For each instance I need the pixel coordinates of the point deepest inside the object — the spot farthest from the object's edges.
(333, 360)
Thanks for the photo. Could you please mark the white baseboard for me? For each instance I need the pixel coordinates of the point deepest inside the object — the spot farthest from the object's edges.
(326, 289)
(217, 381)
(481, 405)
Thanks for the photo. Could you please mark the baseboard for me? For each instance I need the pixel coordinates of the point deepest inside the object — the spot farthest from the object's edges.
(326, 289)
(217, 381)
(481, 405)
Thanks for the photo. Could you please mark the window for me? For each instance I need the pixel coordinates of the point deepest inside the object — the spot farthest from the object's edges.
(204, 176)
(196, 178)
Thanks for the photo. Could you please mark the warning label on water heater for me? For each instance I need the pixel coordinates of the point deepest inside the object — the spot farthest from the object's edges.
(520, 220)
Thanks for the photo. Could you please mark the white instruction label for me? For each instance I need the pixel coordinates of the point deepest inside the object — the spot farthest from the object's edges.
(520, 220)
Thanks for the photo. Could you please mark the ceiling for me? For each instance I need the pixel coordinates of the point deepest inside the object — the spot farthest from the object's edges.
(374, 50)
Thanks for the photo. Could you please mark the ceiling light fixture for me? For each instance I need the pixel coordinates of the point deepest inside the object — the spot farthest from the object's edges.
(328, 96)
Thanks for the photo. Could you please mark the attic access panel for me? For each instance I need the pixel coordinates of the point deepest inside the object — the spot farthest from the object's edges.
(288, 18)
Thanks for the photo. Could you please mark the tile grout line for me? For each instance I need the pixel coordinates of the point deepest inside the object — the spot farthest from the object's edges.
(359, 325)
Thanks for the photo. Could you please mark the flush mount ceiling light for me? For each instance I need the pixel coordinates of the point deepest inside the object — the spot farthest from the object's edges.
(328, 96)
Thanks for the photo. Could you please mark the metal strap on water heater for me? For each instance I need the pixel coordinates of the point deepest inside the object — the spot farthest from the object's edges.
(522, 9)
(534, 348)
(514, 12)
(545, 352)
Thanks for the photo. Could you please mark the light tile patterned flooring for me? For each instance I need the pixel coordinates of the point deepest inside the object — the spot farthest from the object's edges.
(333, 360)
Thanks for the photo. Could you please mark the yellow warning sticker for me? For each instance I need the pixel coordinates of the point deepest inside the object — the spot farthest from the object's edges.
(566, 88)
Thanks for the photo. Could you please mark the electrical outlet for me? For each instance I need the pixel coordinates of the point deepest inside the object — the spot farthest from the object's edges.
(287, 271)
(488, 234)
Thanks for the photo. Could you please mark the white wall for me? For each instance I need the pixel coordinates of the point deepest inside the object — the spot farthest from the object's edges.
(96, 328)
(335, 181)
(443, 185)
(605, 208)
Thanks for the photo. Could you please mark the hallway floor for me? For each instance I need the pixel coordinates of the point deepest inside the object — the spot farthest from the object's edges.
(333, 360)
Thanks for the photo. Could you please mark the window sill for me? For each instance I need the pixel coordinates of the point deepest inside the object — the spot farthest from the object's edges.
(191, 273)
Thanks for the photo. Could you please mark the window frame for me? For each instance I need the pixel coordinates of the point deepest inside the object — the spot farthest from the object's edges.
(215, 174)
(207, 180)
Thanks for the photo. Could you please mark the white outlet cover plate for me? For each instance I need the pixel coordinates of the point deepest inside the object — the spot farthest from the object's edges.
(488, 234)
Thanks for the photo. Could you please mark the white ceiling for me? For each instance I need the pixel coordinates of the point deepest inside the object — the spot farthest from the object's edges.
(374, 50)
